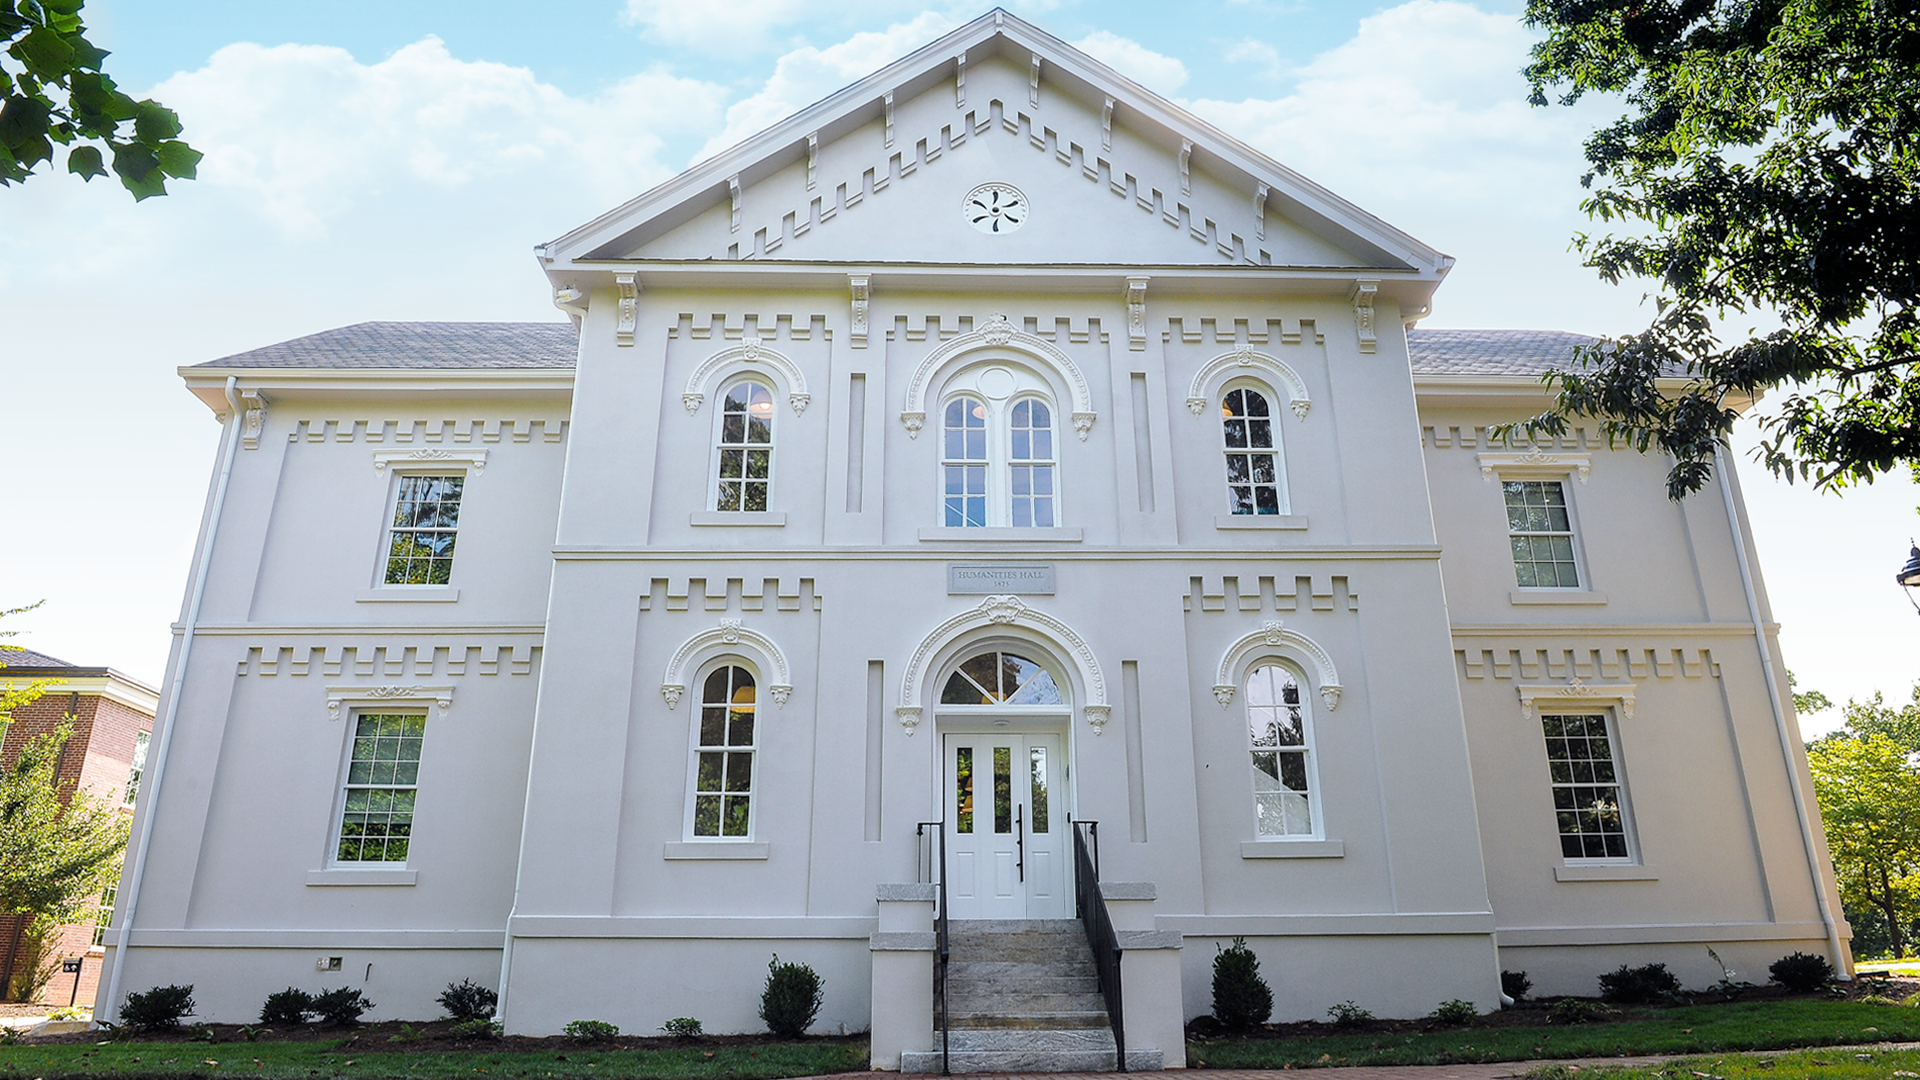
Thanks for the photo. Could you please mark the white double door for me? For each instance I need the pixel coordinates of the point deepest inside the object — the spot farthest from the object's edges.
(1006, 819)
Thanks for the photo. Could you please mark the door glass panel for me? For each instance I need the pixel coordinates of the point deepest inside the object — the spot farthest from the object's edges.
(1003, 789)
(1038, 755)
(963, 789)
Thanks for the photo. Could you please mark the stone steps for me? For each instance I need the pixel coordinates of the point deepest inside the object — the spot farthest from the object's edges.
(1025, 997)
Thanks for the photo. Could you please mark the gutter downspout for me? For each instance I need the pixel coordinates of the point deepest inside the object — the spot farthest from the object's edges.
(1807, 840)
(165, 723)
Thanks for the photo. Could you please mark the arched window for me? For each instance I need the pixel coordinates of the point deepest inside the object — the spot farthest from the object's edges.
(1001, 678)
(1254, 482)
(997, 453)
(723, 764)
(1280, 735)
(744, 465)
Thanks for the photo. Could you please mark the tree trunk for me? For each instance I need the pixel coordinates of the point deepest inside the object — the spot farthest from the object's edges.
(1885, 903)
(13, 951)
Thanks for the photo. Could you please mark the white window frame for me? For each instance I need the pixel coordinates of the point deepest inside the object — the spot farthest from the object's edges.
(724, 387)
(1282, 495)
(1000, 462)
(1614, 701)
(756, 791)
(400, 464)
(1622, 791)
(136, 767)
(1309, 751)
(398, 705)
(1500, 468)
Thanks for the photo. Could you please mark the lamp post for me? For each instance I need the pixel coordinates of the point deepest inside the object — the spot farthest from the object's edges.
(1909, 576)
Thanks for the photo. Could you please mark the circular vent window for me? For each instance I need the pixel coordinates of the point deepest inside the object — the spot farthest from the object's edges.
(995, 208)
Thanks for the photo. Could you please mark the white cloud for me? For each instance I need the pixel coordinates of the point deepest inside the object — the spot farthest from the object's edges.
(1254, 51)
(1159, 73)
(304, 132)
(807, 74)
(704, 26)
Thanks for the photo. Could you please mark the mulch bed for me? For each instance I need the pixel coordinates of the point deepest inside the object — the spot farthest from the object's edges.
(432, 1036)
(1530, 1013)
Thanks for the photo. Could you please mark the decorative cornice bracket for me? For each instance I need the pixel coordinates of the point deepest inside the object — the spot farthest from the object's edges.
(861, 286)
(255, 418)
(629, 308)
(1137, 313)
(1365, 290)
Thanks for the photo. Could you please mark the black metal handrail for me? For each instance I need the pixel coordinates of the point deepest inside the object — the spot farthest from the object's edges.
(942, 949)
(1092, 909)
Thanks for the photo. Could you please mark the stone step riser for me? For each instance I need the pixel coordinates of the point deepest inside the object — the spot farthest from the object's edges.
(1028, 1022)
(1039, 1039)
(981, 1061)
(1020, 1004)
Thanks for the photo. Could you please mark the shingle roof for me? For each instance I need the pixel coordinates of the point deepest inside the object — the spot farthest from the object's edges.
(465, 345)
(27, 658)
(1491, 352)
(418, 345)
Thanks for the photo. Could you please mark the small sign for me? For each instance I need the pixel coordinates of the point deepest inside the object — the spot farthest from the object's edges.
(982, 579)
(71, 965)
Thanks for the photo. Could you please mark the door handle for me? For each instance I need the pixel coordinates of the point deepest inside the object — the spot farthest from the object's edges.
(1020, 841)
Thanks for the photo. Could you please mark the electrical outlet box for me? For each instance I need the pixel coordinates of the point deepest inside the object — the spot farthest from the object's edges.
(327, 963)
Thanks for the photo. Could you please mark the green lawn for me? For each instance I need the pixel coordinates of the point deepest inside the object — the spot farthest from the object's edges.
(307, 1059)
(1802, 1065)
(1693, 1029)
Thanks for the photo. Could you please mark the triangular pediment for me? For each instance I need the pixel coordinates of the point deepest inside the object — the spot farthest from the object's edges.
(898, 167)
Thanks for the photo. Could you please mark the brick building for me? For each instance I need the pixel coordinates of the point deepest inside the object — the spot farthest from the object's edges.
(112, 720)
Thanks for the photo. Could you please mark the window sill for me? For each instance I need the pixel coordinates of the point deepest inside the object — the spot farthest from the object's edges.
(1056, 535)
(764, 519)
(410, 594)
(1556, 596)
(344, 876)
(1260, 521)
(715, 849)
(1604, 872)
(1293, 849)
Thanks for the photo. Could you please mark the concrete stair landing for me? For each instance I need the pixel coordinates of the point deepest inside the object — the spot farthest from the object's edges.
(1025, 999)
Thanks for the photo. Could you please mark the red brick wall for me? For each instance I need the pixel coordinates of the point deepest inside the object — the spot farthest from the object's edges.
(98, 757)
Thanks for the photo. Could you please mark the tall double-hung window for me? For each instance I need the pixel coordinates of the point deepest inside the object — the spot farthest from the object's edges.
(383, 778)
(998, 453)
(1254, 483)
(724, 755)
(424, 526)
(1589, 807)
(744, 459)
(1540, 531)
(1280, 738)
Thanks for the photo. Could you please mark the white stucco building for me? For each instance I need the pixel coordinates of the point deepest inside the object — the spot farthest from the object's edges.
(992, 444)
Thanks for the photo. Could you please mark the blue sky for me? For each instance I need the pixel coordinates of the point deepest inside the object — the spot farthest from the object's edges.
(399, 160)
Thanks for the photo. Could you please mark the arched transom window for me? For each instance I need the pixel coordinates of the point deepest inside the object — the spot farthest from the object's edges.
(1255, 483)
(1280, 735)
(724, 755)
(745, 460)
(1001, 678)
(997, 452)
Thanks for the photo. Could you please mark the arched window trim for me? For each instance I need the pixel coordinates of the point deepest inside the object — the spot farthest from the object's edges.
(717, 448)
(1307, 748)
(1279, 452)
(999, 442)
(695, 745)
(1032, 651)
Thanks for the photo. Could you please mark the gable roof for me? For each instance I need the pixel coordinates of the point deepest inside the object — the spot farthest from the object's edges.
(418, 346)
(456, 346)
(610, 238)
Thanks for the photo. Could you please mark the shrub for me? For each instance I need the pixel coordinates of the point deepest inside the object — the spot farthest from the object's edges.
(1639, 985)
(1455, 1011)
(289, 1006)
(1347, 1014)
(1241, 998)
(682, 1027)
(342, 1007)
(1801, 973)
(480, 1028)
(1515, 984)
(791, 999)
(71, 1012)
(157, 1009)
(468, 1000)
(595, 1031)
(1575, 1011)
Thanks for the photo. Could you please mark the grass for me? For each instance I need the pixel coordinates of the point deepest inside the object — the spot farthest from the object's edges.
(1807, 1064)
(1691, 1029)
(304, 1060)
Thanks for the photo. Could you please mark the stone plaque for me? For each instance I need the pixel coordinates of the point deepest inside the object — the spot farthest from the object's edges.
(981, 579)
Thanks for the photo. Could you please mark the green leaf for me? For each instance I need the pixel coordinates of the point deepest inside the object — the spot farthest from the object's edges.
(22, 119)
(44, 52)
(153, 122)
(84, 162)
(86, 55)
(139, 169)
(178, 160)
